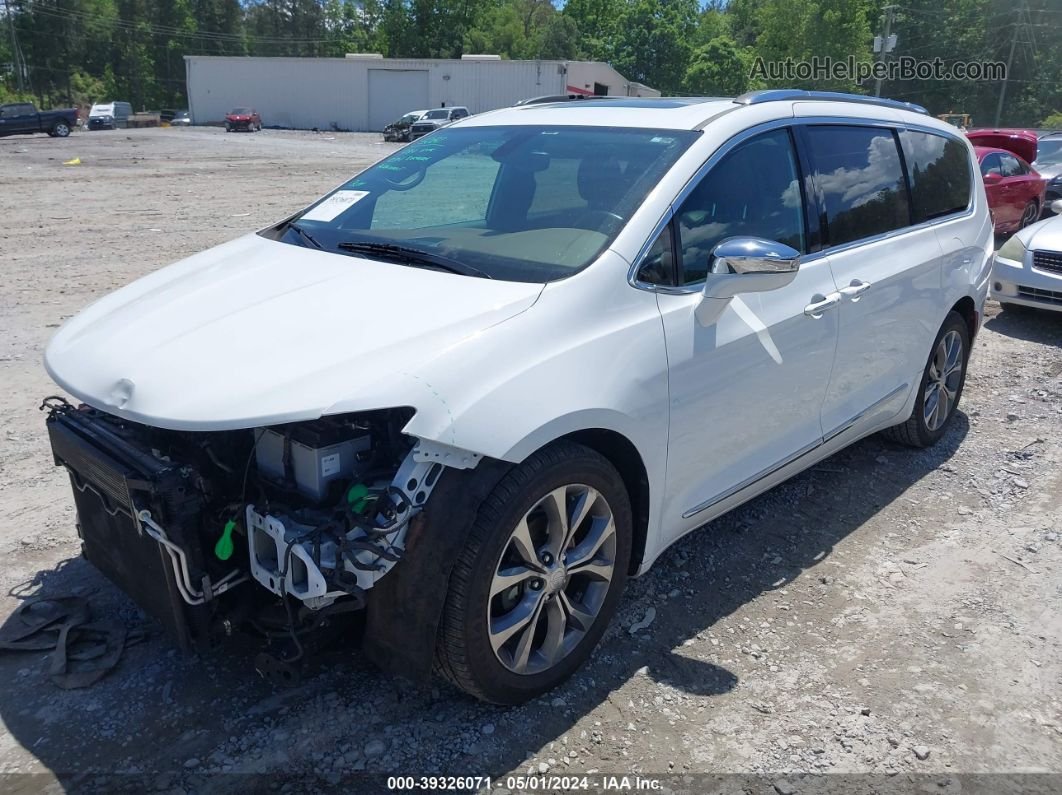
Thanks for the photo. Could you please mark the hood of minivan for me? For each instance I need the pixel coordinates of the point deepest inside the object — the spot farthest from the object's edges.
(257, 332)
(1020, 142)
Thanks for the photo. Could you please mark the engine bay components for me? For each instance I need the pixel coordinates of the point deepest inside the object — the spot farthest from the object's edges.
(312, 455)
(192, 523)
(318, 563)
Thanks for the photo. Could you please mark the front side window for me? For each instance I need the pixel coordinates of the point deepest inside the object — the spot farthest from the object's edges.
(858, 175)
(754, 191)
(991, 165)
(939, 171)
(523, 203)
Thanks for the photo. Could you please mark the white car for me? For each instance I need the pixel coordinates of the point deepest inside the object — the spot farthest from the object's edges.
(1028, 267)
(480, 384)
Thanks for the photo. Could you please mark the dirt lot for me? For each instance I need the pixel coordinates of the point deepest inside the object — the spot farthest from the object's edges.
(889, 612)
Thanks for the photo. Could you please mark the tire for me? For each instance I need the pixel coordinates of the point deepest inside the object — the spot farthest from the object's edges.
(573, 608)
(1029, 214)
(921, 430)
(60, 130)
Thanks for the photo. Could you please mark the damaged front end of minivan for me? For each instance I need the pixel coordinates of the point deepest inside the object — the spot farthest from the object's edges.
(277, 529)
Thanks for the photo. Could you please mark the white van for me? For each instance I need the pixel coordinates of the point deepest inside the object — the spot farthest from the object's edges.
(109, 116)
(476, 387)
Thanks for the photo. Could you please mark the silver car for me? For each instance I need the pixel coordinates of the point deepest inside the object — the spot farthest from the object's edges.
(434, 119)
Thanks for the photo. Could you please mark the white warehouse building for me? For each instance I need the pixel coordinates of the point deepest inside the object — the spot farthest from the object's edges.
(367, 92)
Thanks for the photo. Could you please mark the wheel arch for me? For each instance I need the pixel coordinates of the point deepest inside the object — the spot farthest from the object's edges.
(966, 308)
(404, 608)
(624, 456)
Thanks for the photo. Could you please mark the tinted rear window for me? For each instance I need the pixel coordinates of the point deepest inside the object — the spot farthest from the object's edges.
(858, 174)
(939, 168)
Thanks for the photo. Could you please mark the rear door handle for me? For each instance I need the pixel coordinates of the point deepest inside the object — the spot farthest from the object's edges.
(817, 307)
(855, 289)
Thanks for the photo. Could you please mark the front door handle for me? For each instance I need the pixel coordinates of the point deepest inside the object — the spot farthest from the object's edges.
(855, 289)
(821, 304)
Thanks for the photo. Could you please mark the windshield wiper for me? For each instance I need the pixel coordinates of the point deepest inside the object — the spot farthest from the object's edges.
(410, 256)
(304, 234)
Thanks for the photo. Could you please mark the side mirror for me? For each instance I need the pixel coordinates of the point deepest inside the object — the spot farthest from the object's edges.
(993, 178)
(745, 265)
(1056, 206)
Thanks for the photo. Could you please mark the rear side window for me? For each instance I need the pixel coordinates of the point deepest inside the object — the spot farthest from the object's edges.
(860, 180)
(939, 170)
(1012, 167)
(754, 191)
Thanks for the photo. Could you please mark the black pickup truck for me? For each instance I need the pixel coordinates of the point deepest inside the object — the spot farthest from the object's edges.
(22, 118)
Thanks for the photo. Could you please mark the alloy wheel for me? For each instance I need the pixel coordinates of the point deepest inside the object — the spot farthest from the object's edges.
(552, 579)
(943, 381)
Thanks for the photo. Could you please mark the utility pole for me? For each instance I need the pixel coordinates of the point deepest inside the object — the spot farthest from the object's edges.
(1010, 60)
(890, 14)
(16, 53)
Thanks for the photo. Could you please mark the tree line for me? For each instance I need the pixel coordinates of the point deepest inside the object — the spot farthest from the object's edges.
(80, 51)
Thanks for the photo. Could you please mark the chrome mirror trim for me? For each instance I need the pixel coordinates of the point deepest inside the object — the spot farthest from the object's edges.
(753, 255)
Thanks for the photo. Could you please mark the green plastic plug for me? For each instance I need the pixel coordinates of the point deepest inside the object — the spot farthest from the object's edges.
(223, 549)
(358, 497)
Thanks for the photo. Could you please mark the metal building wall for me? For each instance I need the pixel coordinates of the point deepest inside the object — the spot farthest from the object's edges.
(332, 93)
(288, 92)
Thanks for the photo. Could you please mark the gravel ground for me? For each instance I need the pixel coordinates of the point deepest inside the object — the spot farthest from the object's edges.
(890, 612)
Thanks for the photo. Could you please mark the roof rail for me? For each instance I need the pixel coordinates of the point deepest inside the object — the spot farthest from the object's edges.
(783, 94)
(559, 98)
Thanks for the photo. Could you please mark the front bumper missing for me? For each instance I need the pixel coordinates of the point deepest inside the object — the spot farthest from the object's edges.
(118, 489)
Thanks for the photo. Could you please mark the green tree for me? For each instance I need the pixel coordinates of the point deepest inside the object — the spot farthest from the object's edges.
(720, 68)
(598, 23)
(803, 30)
(652, 44)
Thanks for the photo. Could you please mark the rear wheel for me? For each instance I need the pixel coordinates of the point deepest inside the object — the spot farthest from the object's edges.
(60, 129)
(1029, 214)
(540, 578)
(941, 386)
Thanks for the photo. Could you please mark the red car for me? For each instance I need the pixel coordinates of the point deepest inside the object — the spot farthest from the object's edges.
(243, 119)
(1015, 190)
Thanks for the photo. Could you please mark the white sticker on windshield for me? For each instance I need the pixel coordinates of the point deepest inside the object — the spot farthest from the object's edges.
(335, 204)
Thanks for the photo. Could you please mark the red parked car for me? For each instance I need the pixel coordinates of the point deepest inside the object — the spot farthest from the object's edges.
(1015, 190)
(243, 119)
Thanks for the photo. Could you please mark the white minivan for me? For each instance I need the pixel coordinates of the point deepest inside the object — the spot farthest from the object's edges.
(472, 390)
(109, 116)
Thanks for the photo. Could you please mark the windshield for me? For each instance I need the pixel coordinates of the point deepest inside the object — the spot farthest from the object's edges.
(240, 112)
(1049, 151)
(518, 203)
(102, 110)
(438, 114)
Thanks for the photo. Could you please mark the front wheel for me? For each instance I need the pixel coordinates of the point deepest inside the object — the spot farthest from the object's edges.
(941, 386)
(540, 577)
